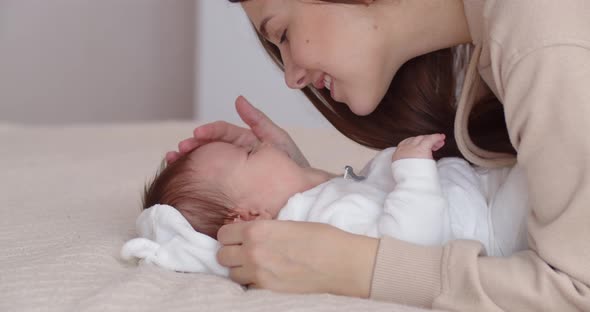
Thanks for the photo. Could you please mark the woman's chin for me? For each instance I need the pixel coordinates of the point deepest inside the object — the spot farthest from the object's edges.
(361, 108)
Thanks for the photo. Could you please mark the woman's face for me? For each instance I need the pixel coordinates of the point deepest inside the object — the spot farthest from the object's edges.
(342, 45)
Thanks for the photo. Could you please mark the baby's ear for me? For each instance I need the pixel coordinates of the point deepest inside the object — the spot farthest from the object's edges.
(251, 215)
(244, 215)
(264, 215)
(236, 219)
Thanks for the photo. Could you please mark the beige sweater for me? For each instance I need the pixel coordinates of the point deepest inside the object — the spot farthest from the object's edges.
(535, 56)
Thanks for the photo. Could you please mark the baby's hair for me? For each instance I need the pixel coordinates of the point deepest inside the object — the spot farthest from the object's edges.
(202, 203)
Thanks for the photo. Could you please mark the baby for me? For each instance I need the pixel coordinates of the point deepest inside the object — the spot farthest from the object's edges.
(404, 193)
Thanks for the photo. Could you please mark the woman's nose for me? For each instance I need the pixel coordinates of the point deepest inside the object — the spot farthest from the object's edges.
(295, 76)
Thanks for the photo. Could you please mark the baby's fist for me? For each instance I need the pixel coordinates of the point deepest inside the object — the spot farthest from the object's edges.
(419, 147)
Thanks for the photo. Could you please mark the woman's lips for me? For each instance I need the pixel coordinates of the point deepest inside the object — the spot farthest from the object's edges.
(328, 83)
(319, 84)
(332, 92)
(325, 81)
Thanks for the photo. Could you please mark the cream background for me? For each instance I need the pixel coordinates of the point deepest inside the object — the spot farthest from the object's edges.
(80, 61)
(72, 61)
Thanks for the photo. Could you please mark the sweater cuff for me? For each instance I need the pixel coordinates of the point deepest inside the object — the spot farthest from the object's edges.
(406, 273)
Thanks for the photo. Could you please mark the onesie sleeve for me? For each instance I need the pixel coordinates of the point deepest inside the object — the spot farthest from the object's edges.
(416, 210)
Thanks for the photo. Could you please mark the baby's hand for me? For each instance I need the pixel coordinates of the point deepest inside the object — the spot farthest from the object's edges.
(419, 147)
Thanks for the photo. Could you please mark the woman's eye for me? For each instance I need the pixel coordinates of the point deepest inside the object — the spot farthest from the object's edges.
(283, 37)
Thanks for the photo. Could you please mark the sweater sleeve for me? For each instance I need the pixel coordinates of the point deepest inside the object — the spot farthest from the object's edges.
(547, 105)
(415, 210)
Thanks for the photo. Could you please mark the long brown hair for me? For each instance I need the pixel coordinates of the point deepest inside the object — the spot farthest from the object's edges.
(420, 100)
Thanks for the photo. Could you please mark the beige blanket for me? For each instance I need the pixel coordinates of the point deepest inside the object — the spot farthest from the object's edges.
(69, 199)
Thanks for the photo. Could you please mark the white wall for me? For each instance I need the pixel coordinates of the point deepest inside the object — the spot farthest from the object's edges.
(96, 60)
(64, 61)
(230, 62)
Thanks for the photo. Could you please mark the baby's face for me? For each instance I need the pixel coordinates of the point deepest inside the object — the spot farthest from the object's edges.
(259, 180)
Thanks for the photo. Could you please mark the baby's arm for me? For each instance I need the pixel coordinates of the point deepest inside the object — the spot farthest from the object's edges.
(416, 209)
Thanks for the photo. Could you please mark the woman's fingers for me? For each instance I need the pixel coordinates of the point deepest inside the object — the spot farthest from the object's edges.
(187, 145)
(172, 156)
(230, 256)
(261, 129)
(266, 130)
(242, 276)
(232, 234)
(298, 257)
(184, 147)
(225, 132)
(262, 126)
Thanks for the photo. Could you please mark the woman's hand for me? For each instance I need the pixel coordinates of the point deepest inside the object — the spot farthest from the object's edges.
(261, 129)
(298, 257)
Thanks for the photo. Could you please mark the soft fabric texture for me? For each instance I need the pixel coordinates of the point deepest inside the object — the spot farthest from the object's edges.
(415, 200)
(399, 199)
(422, 201)
(167, 240)
(535, 57)
(70, 197)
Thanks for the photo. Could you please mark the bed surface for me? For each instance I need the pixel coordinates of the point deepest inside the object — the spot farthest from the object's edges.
(70, 196)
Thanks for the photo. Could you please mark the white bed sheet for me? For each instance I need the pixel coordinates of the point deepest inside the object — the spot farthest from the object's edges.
(70, 196)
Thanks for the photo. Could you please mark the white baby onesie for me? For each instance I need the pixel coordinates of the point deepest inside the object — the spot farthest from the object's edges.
(416, 200)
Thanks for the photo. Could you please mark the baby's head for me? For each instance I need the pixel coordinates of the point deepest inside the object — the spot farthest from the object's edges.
(221, 183)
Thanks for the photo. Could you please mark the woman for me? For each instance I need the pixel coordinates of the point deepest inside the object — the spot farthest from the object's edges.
(390, 70)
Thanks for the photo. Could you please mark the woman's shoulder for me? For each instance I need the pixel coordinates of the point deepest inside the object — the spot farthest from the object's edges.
(522, 26)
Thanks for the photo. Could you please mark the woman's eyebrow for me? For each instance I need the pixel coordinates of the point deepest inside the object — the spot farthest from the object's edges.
(262, 28)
